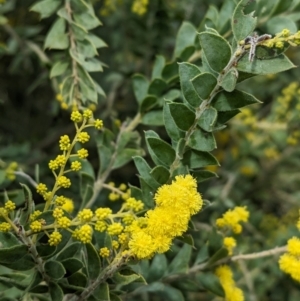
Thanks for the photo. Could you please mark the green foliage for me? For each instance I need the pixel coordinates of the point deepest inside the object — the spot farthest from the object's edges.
(182, 125)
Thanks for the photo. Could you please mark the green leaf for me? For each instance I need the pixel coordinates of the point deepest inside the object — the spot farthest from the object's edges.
(180, 262)
(8, 240)
(170, 72)
(144, 170)
(24, 264)
(56, 292)
(183, 117)
(79, 6)
(202, 141)
(69, 251)
(140, 87)
(93, 261)
(211, 282)
(39, 289)
(56, 37)
(160, 174)
(87, 92)
(93, 65)
(158, 67)
(102, 292)
(203, 175)
(162, 150)
(126, 156)
(9, 282)
(12, 254)
(78, 279)
(204, 84)
(187, 72)
(216, 49)
(225, 101)
(58, 68)
(148, 103)
(157, 86)
(171, 293)
(78, 31)
(154, 118)
(220, 254)
(45, 251)
(173, 131)
(187, 239)
(158, 268)
(202, 255)
(278, 23)
(127, 277)
(46, 7)
(208, 119)
(185, 37)
(55, 269)
(269, 66)
(229, 80)
(196, 159)
(96, 41)
(135, 192)
(242, 25)
(36, 280)
(86, 187)
(72, 265)
(87, 20)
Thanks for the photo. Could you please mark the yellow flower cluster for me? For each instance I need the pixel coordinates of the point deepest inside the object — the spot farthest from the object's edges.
(232, 293)
(133, 204)
(139, 7)
(85, 215)
(64, 143)
(83, 234)
(290, 261)
(281, 38)
(10, 170)
(10, 206)
(103, 213)
(4, 227)
(104, 252)
(232, 218)
(229, 243)
(175, 203)
(54, 238)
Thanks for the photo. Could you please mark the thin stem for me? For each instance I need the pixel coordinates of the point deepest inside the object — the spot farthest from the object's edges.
(27, 177)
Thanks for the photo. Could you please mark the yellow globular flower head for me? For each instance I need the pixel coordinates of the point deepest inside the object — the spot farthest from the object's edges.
(76, 116)
(53, 165)
(115, 244)
(54, 238)
(60, 200)
(36, 226)
(98, 124)
(182, 194)
(232, 293)
(68, 205)
(63, 181)
(142, 244)
(5, 227)
(76, 166)
(3, 211)
(85, 215)
(229, 243)
(293, 246)
(64, 143)
(139, 7)
(57, 213)
(103, 213)
(84, 234)
(133, 204)
(41, 188)
(82, 153)
(10, 171)
(10, 206)
(87, 114)
(34, 215)
(61, 160)
(175, 203)
(100, 226)
(83, 137)
(128, 219)
(232, 218)
(114, 229)
(290, 264)
(123, 187)
(123, 238)
(285, 32)
(113, 196)
(104, 252)
(126, 195)
(279, 44)
(63, 222)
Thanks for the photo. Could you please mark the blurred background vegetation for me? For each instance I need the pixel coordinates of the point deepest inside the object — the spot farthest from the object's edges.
(258, 151)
